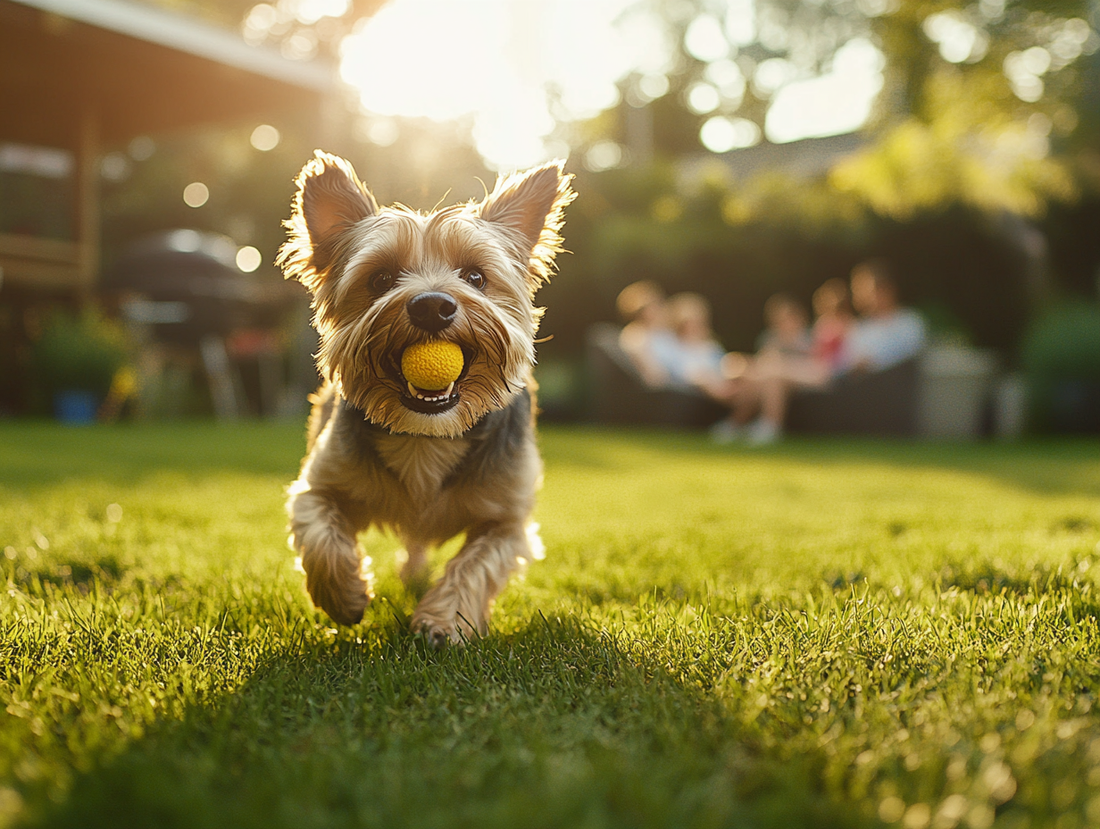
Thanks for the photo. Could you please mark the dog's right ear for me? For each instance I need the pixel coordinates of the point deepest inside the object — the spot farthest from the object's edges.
(330, 198)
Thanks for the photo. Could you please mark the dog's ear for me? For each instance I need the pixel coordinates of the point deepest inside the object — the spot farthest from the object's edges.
(329, 199)
(532, 206)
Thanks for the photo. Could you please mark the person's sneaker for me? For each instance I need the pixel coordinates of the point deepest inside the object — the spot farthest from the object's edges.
(763, 433)
(725, 431)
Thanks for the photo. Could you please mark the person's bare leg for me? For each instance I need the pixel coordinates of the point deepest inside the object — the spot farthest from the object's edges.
(768, 428)
(774, 394)
(746, 400)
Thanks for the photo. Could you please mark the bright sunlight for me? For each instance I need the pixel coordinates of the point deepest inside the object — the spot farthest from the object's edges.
(514, 68)
(517, 70)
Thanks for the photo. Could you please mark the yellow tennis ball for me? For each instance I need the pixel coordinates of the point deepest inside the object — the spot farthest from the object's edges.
(433, 365)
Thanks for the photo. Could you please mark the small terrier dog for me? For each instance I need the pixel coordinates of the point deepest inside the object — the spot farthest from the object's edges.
(383, 451)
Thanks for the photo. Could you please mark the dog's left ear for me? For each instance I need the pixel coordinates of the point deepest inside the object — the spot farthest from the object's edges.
(532, 206)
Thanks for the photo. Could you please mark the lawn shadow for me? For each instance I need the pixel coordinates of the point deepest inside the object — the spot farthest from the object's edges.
(556, 724)
(34, 455)
(1049, 466)
(41, 454)
(1039, 464)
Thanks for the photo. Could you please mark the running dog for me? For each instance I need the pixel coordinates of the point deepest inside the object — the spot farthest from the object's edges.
(425, 421)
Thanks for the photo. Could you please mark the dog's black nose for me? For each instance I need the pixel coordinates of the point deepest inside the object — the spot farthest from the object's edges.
(432, 311)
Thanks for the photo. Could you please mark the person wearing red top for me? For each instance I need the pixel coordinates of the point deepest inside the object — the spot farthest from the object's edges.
(833, 311)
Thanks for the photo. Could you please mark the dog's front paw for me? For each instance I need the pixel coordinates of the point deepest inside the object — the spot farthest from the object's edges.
(440, 630)
(337, 586)
(345, 602)
(438, 635)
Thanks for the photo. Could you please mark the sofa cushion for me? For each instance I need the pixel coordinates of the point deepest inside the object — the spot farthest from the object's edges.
(867, 403)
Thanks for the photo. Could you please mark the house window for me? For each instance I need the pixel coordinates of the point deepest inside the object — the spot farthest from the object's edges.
(37, 191)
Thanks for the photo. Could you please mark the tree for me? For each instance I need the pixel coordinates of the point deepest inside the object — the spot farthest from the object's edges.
(978, 102)
(979, 107)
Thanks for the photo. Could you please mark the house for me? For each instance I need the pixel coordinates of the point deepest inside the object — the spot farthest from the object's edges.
(80, 76)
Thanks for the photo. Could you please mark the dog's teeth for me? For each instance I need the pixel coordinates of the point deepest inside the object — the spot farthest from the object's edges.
(431, 398)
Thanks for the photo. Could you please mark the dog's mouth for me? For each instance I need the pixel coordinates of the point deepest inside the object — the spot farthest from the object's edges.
(428, 401)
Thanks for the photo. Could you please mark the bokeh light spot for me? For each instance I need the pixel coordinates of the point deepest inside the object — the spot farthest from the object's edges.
(603, 155)
(720, 134)
(703, 98)
(249, 258)
(142, 148)
(705, 40)
(196, 194)
(265, 137)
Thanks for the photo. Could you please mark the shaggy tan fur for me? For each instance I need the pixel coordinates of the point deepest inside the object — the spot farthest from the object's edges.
(464, 460)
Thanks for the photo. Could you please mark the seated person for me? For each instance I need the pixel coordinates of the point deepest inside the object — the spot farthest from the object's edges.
(646, 337)
(785, 338)
(696, 359)
(787, 331)
(886, 333)
(833, 311)
(759, 384)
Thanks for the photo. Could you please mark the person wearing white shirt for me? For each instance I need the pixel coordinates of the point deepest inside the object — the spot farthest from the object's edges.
(886, 333)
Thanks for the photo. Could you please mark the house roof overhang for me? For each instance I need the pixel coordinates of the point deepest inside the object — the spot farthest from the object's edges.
(141, 69)
(83, 75)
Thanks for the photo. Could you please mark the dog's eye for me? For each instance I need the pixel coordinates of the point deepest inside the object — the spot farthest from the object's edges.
(381, 281)
(475, 278)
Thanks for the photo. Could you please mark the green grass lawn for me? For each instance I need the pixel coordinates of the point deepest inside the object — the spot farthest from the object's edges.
(822, 634)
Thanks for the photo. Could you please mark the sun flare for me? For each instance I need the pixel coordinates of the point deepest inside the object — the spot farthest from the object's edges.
(498, 62)
(519, 68)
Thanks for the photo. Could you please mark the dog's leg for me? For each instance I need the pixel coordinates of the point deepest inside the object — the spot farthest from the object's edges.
(325, 538)
(415, 569)
(458, 605)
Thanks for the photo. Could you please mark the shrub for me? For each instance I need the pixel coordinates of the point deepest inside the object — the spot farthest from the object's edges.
(79, 353)
(1061, 359)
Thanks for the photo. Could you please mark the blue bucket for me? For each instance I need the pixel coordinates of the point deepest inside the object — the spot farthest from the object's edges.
(74, 407)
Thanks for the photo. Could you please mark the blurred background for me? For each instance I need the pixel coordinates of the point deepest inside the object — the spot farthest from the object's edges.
(735, 148)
